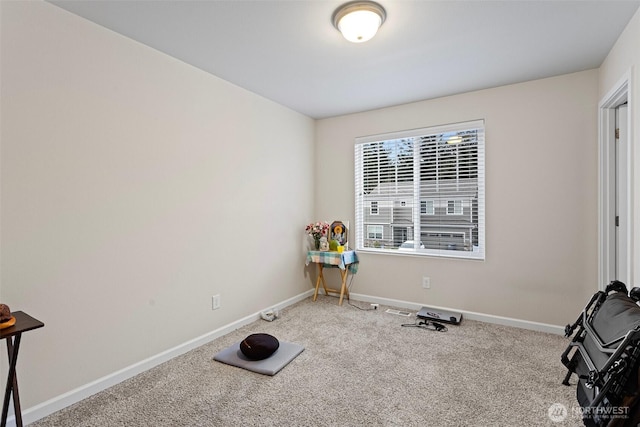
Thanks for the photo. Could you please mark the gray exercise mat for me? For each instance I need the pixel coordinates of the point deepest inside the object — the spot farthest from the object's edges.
(269, 366)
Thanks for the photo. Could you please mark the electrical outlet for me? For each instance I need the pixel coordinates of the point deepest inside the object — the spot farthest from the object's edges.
(215, 302)
(426, 282)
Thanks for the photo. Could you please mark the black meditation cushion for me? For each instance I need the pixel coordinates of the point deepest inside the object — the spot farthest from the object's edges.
(259, 346)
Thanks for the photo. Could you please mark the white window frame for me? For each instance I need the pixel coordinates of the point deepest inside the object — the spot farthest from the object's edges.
(457, 207)
(450, 171)
(381, 228)
(427, 207)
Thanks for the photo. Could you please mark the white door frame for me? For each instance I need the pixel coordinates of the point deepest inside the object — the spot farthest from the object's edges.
(606, 184)
(623, 196)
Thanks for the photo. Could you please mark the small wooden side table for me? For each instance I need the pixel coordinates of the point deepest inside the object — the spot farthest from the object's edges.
(346, 261)
(13, 334)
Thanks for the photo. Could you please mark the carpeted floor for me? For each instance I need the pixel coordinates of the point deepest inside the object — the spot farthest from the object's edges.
(359, 368)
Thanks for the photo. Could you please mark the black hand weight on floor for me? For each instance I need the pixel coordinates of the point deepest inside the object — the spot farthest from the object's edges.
(259, 346)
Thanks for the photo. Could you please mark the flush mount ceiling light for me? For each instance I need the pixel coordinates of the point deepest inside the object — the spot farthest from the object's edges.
(358, 21)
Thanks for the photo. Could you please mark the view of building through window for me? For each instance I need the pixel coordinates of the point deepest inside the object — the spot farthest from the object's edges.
(422, 191)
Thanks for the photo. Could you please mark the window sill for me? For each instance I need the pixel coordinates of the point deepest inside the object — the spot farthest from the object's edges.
(471, 256)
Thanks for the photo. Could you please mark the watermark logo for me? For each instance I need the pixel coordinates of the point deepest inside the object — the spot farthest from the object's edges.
(557, 412)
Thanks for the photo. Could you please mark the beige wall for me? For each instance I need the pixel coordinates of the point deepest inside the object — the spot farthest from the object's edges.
(133, 188)
(623, 62)
(541, 200)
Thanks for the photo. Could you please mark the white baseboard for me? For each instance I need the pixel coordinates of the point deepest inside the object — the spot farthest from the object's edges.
(37, 412)
(488, 318)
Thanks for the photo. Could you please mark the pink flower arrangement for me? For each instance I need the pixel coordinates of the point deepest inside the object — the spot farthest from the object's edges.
(317, 230)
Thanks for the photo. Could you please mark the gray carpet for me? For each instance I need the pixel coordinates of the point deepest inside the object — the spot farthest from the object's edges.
(358, 368)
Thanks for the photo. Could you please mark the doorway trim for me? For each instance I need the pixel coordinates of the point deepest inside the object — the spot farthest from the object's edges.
(620, 94)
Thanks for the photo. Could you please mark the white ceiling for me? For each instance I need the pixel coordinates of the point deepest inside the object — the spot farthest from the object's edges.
(288, 50)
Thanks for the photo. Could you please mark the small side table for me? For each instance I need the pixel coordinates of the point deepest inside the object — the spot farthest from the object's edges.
(13, 334)
(346, 261)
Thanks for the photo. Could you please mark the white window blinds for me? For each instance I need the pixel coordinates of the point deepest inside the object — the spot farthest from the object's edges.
(426, 187)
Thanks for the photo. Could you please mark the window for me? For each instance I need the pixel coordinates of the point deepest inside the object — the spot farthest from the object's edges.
(374, 232)
(454, 207)
(374, 208)
(432, 181)
(427, 207)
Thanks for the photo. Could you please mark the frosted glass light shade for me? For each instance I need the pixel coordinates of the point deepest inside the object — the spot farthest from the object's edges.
(359, 21)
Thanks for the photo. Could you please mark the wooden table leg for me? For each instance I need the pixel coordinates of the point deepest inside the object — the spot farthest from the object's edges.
(343, 290)
(315, 294)
(319, 280)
